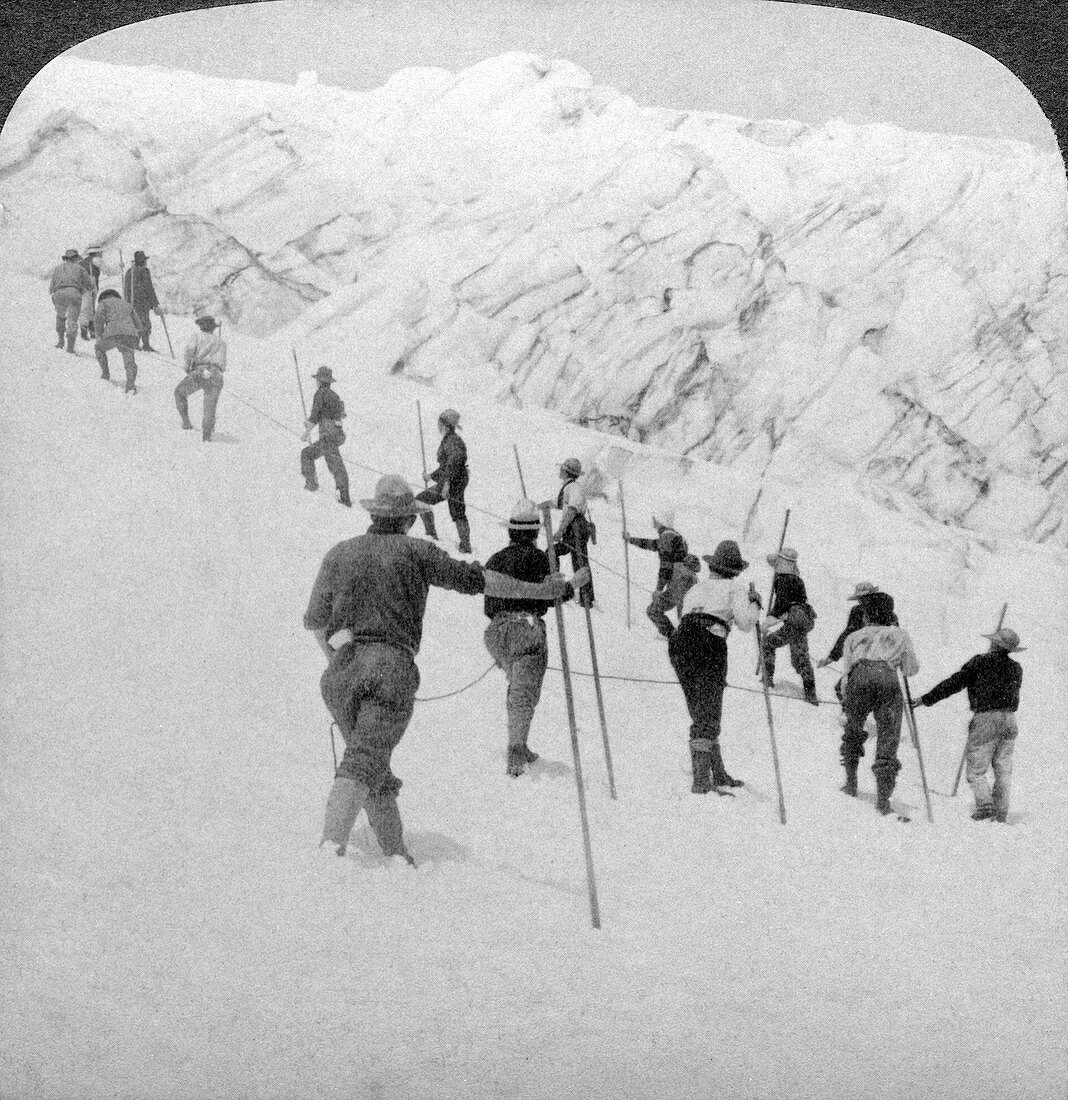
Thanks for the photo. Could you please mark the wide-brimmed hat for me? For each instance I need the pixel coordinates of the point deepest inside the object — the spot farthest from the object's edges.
(206, 323)
(71, 254)
(109, 293)
(139, 255)
(727, 559)
(864, 589)
(571, 466)
(324, 374)
(94, 250)
(394, 497)
(450, 417)
(785, 561)
(524, 517)
(665, 517)
(1006, 639)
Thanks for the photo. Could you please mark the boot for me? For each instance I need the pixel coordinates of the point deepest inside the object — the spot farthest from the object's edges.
(884, 788)
(464, 530)
(187, 426)
(385, 819)
(85, 332)
(983, 813)
(61, 326)
(810, 691)
(71, 337)
(517, 761)
(850, 786)
(310, 486)
(429, 527)
(719, 773)
(343, 498)
(702, 763)
(347, 797)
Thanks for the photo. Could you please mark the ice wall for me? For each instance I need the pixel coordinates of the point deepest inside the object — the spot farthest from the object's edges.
(780, 298)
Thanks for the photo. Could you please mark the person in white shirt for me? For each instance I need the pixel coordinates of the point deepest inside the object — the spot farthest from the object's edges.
(871, 659)
(205, 362)
(575, 532)
(698, 654)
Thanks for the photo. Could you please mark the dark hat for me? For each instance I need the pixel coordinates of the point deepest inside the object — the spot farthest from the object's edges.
(324, 374)
(450, 417)
(1006, 639)
(139, 256)
(71, 254)
(727, 560)
(108, 294)
(206, 323)
(524, 517)
(571, 466)
(394, 497)
(863, 590)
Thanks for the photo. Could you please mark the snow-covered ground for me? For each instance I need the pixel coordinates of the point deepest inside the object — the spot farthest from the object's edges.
(170, 928)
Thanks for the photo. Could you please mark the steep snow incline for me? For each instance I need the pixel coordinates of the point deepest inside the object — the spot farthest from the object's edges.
(841, 301)
(170, 929)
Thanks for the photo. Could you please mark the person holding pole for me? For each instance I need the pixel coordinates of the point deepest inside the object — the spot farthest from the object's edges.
(91, 262)
(205, 362)
(992, 680)
(684, 576)
(516, 637)
(871, 659)
(698, 654)
(450, 480)
(573, 536)
(366, 611)
(327, 411)
(69, 283)
(791, 619)
(669, 545)
(861, 592)
(138, 290)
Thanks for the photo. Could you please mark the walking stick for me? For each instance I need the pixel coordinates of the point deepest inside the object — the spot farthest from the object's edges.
(964, 751)
(626, 549)
(600, 705)
(916, 741)
(522, 483)
(422, 444)
(591, 881)
(163, 321)
(300, 386)
(771, 721)
(771, 591)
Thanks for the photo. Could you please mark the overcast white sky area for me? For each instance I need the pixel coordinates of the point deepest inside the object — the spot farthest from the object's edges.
(755, 58)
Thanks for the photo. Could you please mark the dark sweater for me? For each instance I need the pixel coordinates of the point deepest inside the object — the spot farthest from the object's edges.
(452, 463)
(671, 548)
(326, 405)
(786, 590)
(525, 562)
(991, 679)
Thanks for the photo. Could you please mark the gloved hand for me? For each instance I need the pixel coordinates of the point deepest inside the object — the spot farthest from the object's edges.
(545, 504)
(158, 312)
(581, 577)
(558, 585)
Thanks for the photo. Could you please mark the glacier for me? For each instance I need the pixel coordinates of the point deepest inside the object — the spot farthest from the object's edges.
(783, 299)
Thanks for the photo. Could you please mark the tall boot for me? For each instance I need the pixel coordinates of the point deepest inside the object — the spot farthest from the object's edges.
(464, 530)
(884, 788)
(61, 328)
(347, 797)
(701, 760)
(428, 525)
(850, 786)
(719, 773)
(385, 819)
(767, 655)
(809, 684)
(71, 337)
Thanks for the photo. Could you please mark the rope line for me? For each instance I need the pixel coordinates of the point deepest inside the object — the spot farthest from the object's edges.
(458, 691)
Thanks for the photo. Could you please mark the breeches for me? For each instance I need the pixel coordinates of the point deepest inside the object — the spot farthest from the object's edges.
(518, 644)
(68, 304)
(699, 659)
(872, 687)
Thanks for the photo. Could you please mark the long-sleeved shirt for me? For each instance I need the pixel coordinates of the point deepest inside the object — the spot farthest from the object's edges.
(70, 275)
(786, 590)
(670, 598)
(727, 600)
(376, 585)
(206, 351)
(328, 410)
(452, 462)
(669, 545)
(92, 268)
(138, 290)
(114, 317)
(524, 562)
(880, 643)
(992, 680)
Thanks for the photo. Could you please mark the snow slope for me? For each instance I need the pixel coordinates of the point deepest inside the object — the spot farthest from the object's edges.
(780, 298)
(170, 929)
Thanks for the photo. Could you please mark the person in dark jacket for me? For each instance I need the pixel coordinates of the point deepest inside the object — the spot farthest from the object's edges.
(789, 605)
(69, 282)
(366, 612)
(138, 290)
(669, 545)
(515, 636)
(450, 480)
(861, 592)
(116, 325)
(992, 680)
(328, 410)
(684, 576)
(90, 262)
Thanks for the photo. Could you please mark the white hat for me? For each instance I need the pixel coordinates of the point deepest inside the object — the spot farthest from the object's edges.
(665, 517)
(524, 516)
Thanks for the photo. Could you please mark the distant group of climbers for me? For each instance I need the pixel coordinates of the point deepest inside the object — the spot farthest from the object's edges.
(124, 323)
(369, 599)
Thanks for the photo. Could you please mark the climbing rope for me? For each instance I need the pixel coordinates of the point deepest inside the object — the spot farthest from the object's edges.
(458, 691)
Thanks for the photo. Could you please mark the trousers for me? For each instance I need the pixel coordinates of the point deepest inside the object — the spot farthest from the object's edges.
(68, 305)
(699, 659)
(991, 741)
(872, 687)
(518, 644)
(126, 345)
(212, 387)
(328, 449)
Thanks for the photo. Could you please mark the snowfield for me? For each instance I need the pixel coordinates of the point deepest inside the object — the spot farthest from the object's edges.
(170, 928)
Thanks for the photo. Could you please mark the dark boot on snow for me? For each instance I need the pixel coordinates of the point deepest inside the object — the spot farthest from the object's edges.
(429, 527)
(719, 773)
(884, 788)
(517, 761)
(983, 813)
(850, 785)
(702, 764)
(71, 337)
(464, 530)
(810, 692)
(343, 498)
